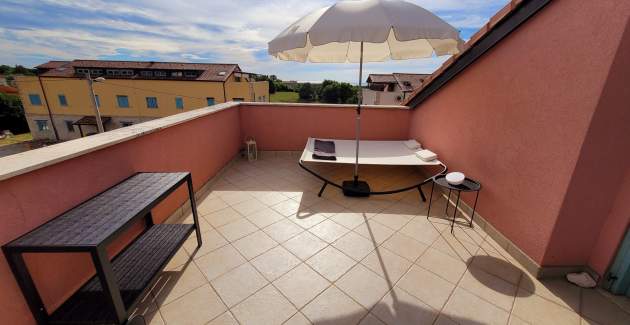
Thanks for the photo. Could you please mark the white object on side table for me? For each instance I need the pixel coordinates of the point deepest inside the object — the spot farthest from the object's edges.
(252, 150)
(455, 178)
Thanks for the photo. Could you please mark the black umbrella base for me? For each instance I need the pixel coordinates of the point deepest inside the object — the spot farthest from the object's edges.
(355, 188)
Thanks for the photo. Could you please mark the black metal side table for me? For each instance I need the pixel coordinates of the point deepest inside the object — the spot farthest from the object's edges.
(469, 185)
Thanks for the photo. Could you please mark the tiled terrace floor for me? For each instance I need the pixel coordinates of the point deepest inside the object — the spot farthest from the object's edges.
(275, 253)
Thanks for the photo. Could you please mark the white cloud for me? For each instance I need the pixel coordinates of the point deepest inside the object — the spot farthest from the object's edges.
(235, 31)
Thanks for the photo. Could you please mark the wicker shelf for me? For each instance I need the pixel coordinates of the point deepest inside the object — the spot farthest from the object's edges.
(111, 295)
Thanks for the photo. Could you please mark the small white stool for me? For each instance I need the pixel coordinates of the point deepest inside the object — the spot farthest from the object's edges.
(252, 150)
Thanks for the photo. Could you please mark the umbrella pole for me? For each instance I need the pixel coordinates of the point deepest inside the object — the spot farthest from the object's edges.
(356, 187)
(358, 118)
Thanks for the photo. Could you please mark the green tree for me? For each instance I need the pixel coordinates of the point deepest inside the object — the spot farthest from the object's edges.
(12, 114)
(335, 92)
(307, 93)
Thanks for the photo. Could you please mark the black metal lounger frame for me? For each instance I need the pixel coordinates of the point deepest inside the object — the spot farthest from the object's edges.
(416, 186)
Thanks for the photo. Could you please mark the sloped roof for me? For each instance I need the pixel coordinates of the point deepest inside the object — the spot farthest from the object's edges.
(406, 81)
(8, 90)
(381, 78)
(211, 71)
(516, 10)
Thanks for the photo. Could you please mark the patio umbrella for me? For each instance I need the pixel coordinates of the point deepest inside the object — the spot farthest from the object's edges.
(360, 31)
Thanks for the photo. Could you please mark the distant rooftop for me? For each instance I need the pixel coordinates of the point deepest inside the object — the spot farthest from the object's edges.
(139, 69)
(406, 81)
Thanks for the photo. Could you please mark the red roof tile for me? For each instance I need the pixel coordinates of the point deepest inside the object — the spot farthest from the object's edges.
(8, 90)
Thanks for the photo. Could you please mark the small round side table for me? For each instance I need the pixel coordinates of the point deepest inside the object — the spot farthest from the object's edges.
(469, 185)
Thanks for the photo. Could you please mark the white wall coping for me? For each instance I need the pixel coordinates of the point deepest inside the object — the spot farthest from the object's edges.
(28, 161)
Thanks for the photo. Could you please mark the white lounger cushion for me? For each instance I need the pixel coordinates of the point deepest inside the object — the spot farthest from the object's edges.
(370, 153)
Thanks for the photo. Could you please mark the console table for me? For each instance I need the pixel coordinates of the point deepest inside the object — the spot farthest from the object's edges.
(111, 295)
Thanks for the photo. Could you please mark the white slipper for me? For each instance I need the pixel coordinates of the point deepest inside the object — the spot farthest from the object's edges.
(582, 279)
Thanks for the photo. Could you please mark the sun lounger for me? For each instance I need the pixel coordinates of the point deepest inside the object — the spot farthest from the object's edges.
(384, 153)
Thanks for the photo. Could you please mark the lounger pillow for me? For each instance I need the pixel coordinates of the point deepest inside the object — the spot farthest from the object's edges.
(426, 155)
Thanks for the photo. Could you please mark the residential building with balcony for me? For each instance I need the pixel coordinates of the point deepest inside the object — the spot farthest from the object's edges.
(527, 109)
(132, 92)
(391, 89)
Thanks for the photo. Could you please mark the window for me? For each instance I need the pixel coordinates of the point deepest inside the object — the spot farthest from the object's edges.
(152, 102)
(35, 99)
(70, 126)
(160, 73)
(125, 123)
(63, 101)
(146, 73)
(42, 125)
(83, 71)
(98, 100)
(123, 101)
(179, 103)
(96, 72)
(210, 101)
(176, 74)
(238, 99)
(190, 74)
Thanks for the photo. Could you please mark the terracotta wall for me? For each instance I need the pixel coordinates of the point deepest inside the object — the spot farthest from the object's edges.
(536, 120)
(202, 146)
(283, 127)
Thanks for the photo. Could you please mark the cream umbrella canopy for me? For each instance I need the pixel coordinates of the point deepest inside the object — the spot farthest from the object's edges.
(360, 31)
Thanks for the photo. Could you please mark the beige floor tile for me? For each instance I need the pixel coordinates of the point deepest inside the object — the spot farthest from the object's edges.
(222, 217)
(238, 284)
(349, 219)
(537, 310)
(392, 220)
(203, 223)
(254, 244)
(444, 265)
(235, 197)
(248, 207)
(287, 208)
(498, 267)
(264, 217)
(354, 245)
(283, 230)
(489, 288)
(148, 309)
(465, 308)
(328, 231)
(600, 309)
(334, 307)
(405, 246)
(331, 263)
(374, 231)
(195, 308)
(270, 198)
(266, 306)
(426, 286)
(370, 319)
(459, 249)
(444, 320)
(225, 319)
(301, 285)
(211, 240)
(177, 282)
(298, 319)
(304, 245)
(559, 291)
(220, 261)
(307, 218)
(275, 263)
(209, 205)
(422, 231)
(237, 229)
(515, 320)
(307, 199)
(180, 257)
(363, 285)
(386, 264)
(399, 307)
(327, 208)
(472, 235)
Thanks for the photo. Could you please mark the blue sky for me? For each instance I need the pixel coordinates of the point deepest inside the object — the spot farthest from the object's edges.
(226, 31)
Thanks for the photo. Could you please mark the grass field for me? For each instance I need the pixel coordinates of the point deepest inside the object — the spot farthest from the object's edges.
(285, 97)
(16, 139)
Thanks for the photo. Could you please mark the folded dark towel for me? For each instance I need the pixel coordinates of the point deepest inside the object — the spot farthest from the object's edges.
(324, 150)
(324, 157)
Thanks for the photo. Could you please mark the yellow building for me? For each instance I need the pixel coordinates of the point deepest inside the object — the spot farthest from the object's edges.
(58, 102)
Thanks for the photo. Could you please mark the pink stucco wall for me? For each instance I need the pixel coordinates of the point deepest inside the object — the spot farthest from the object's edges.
(521, 120)
(282, 127)
(202, 146)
